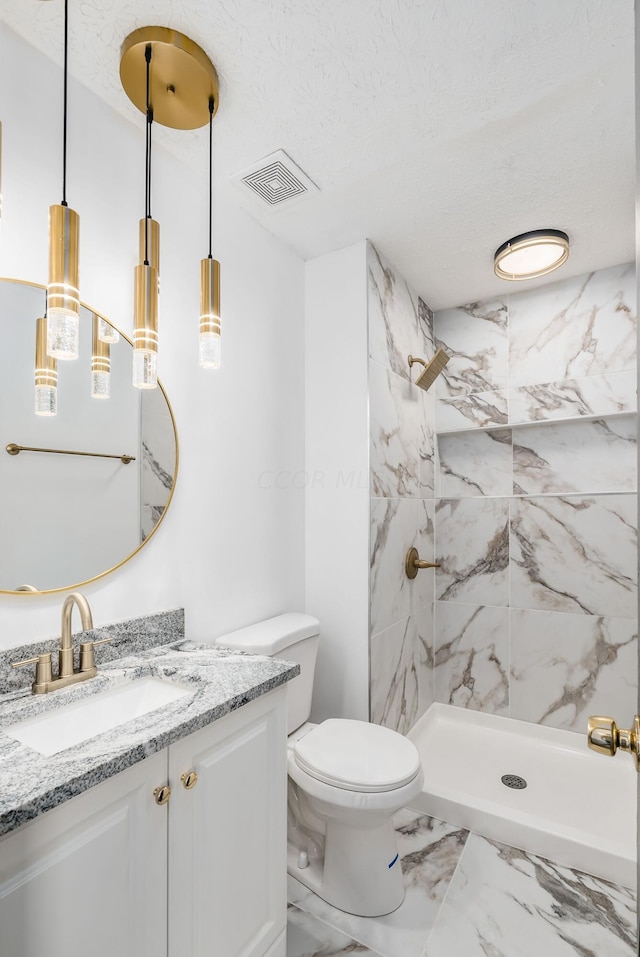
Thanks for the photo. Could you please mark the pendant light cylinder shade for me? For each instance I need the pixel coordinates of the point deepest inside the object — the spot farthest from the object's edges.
(145, 334)
(46, 374)
(151, 250)
(63, 297)
(107, 332)
(210, 313)
(100, 364)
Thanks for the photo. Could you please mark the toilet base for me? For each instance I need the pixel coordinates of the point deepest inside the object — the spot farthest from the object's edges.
(361, 873)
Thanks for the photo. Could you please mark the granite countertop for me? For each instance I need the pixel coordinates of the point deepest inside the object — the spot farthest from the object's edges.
(222, 681)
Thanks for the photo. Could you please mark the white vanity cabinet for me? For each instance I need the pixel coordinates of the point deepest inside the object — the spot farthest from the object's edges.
(227, 836)
(112, 872)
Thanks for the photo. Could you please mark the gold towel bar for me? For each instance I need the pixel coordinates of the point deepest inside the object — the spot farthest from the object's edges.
(14, 449)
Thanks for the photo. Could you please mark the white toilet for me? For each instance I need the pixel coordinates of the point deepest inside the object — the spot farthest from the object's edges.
(346, 780)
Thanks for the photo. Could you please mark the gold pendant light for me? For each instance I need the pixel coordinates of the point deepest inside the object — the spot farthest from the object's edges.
(209, 313)
(209, 345)
(46, 374)
(100, 363)
(149, 243)
(63, 294)
(172, 80)
(107, 332)
(145, 334)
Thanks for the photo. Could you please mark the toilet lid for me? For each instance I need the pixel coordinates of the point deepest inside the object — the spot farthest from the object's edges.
(357, 756)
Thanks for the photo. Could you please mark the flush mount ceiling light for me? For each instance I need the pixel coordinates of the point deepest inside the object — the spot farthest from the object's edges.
(531, 254)
(173, 82)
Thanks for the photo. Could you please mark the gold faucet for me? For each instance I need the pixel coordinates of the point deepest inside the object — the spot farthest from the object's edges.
(67, 675)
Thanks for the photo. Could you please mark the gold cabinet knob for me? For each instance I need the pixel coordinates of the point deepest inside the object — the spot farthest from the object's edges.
(162, 794)
(413, 562)
(189, 779)
(605, 737)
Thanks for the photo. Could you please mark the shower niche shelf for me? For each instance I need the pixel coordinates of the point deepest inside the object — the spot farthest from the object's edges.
(535, 423)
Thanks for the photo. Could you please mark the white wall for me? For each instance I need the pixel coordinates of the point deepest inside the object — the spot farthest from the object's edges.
(337, 479)
(231, 549)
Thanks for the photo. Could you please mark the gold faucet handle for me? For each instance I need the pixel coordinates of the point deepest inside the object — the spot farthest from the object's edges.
(87, 657)
(43, 667)
(25, 661)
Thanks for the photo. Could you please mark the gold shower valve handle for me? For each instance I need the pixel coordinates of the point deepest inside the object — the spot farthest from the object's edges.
(413, 562)
(605, 737)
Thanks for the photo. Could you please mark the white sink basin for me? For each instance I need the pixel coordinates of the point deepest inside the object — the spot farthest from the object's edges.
(58, 730)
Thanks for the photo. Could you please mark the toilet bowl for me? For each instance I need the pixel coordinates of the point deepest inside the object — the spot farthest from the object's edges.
(347, 778)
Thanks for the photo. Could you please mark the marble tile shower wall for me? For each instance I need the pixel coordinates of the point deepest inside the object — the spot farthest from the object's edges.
(402, 482)
(535, 520)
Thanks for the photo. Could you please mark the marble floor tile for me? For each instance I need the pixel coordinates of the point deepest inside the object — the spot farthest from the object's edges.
(309, 937)
(503, 902)
(430, 851)
(566, 667)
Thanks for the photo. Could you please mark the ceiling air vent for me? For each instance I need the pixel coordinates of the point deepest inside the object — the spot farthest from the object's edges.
(275, 180)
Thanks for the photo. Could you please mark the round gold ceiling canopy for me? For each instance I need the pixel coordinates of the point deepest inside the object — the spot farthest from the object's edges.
(183, 78)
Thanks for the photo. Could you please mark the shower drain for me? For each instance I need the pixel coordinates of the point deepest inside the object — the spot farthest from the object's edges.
(513, 781)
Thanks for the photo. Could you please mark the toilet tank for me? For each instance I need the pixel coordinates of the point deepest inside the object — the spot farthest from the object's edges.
(293, 637)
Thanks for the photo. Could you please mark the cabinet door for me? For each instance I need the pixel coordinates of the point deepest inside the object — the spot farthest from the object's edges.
(227, 835)
(89, 877)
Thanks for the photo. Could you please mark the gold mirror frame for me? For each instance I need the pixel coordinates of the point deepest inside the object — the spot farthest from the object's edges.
(87, 581)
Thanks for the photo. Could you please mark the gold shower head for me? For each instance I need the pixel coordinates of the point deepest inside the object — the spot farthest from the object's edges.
(432, 369)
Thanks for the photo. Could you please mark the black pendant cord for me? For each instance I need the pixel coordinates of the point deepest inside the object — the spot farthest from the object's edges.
(150, 123)
(64, 111)
(211, 108)
(147, 161)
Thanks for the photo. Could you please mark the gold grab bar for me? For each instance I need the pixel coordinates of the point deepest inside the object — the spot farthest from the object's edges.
(14, 449)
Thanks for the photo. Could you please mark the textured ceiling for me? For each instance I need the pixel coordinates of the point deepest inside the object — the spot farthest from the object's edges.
(436, 128)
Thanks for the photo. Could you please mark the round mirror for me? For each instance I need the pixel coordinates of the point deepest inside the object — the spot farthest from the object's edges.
(82, 490)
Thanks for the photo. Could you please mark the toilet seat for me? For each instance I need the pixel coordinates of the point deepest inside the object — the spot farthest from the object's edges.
(357, 756)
